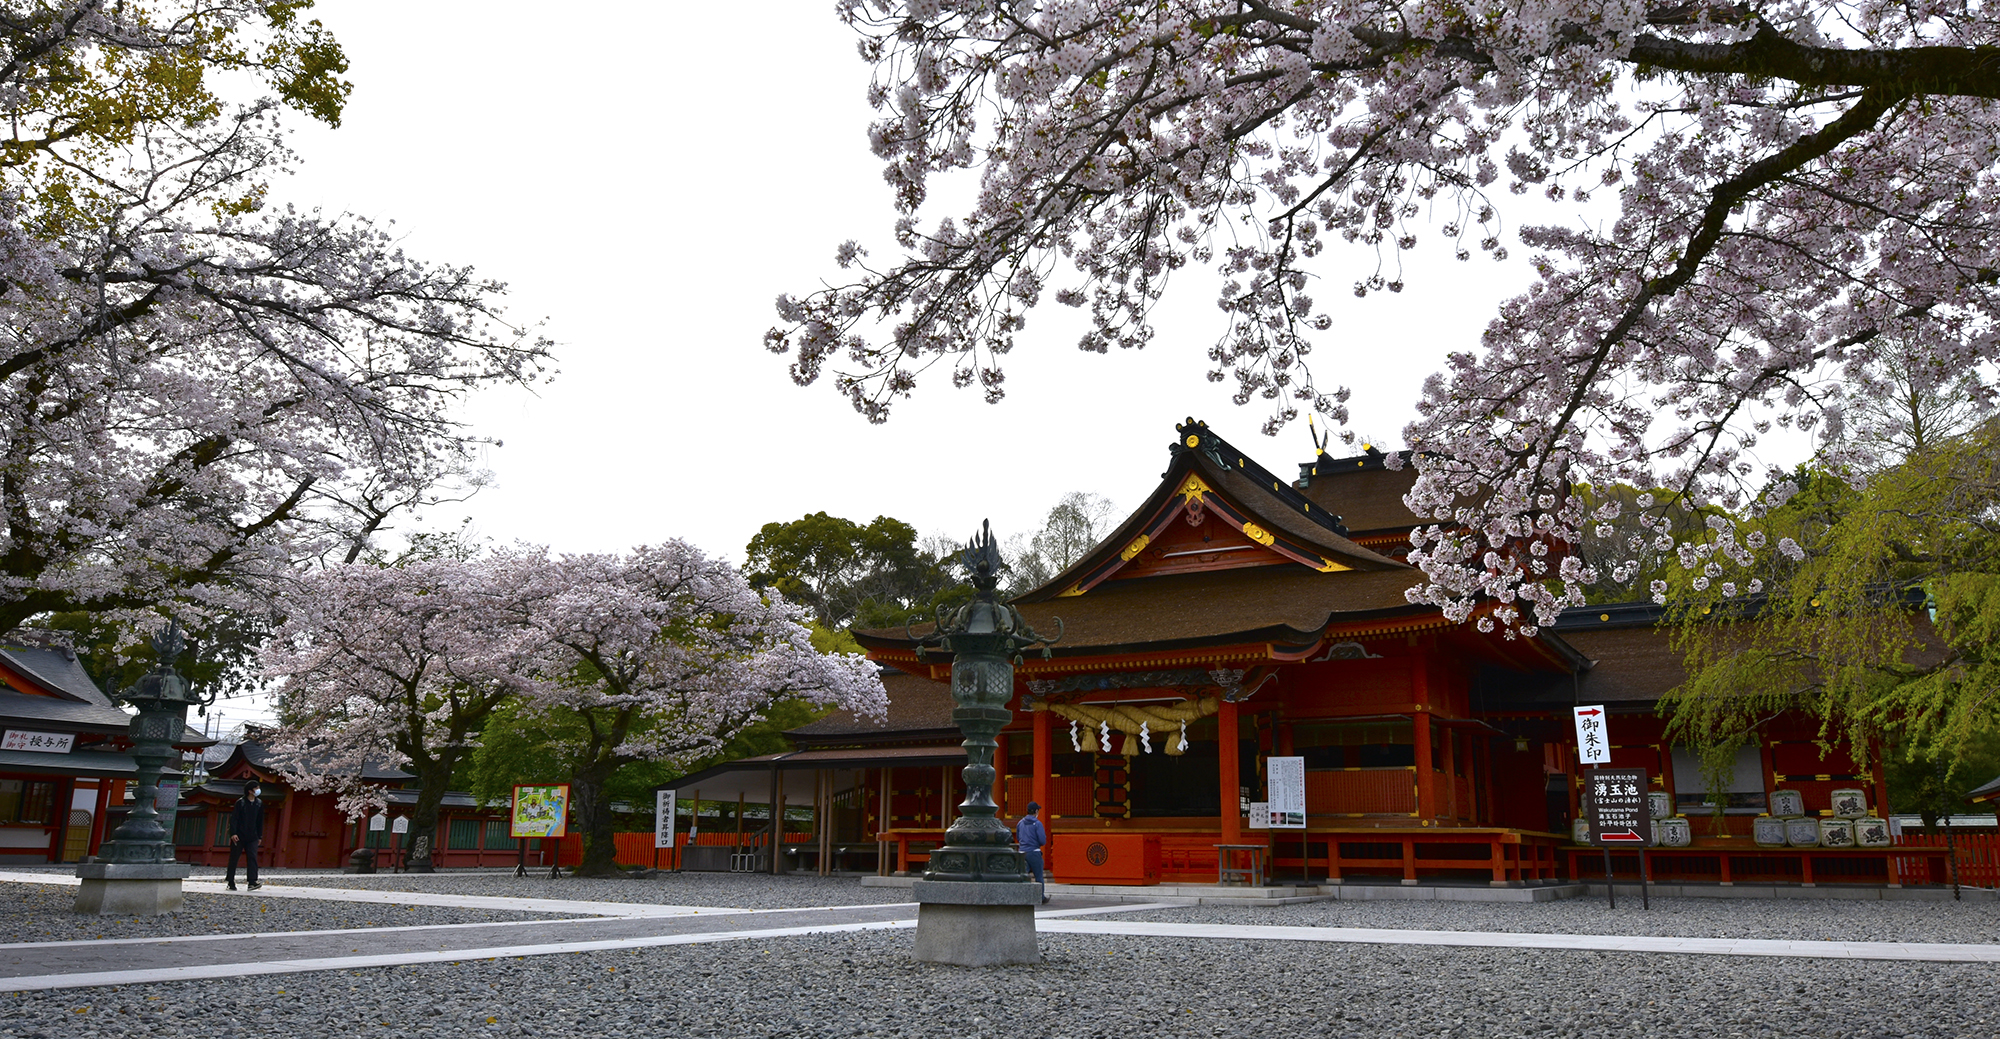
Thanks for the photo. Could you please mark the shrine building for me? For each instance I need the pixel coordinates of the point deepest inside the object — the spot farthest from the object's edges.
(1236, 617)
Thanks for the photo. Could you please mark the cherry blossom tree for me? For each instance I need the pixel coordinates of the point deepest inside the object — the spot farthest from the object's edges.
(393, 666)
(198, 389)
(1776, 200)
(664, 655)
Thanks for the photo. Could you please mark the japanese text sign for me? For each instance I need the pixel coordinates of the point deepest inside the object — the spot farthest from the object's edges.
(1593, 740)
(1286, 780)
(663, 819)
(1618, 813)
(39, 742)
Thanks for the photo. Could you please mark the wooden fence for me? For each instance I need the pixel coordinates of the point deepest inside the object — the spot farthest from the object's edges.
(1978, 858)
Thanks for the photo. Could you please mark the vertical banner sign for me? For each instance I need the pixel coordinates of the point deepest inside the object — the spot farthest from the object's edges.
(663, 819)
(1286, 779)
(1593, 740)
(1618, 813)
(540, 811)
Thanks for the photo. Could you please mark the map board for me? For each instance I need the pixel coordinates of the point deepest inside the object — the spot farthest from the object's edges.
(539, 811)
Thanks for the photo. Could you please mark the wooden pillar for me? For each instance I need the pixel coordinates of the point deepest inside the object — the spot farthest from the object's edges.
(777, 821)
(882, 822)
(1227, 749)
(97, 820)
(1044, 760)
(944, 797)
(1420, 734)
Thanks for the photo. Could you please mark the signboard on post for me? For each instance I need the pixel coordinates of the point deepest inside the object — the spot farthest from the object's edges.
(1618, 814)
(39, 742)
(539, 811)
(1593, 740)
(663, 819)
(1286, 778)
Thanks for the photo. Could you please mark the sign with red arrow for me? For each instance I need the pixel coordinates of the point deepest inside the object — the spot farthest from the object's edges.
(1617, 802)
(1593, 739)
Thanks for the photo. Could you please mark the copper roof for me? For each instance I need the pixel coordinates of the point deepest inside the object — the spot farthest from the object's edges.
(1365, 494)
(916, 705)
(1284, 604)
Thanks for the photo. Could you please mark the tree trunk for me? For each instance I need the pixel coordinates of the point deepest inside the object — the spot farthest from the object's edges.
(593, 819)
(432, 781)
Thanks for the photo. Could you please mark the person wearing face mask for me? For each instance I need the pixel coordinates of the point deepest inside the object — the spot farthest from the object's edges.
(246, 831)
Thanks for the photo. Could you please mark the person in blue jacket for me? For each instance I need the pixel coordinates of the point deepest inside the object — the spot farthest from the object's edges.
(1031, 835)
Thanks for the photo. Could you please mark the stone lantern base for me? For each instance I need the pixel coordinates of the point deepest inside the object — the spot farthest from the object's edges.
(130, 889)
(977, 924)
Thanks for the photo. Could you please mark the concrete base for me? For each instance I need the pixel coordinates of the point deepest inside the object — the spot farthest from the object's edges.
(976, 925)
(120, 889)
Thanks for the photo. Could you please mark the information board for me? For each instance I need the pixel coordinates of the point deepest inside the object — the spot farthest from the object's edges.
(1618, 812)
(1593, 739)
(663, 819)
(539, 811)
(402, 825)
(1286, 780)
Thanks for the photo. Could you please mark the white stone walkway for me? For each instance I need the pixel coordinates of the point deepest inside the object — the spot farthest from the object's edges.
(819, 920)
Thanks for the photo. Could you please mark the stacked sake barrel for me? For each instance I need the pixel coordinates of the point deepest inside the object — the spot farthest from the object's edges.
(1846, 825)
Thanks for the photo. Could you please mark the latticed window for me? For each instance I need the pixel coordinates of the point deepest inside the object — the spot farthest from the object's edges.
(190, 830)
(463, 835)
(496, 835)
(379, 838)
(221, 831)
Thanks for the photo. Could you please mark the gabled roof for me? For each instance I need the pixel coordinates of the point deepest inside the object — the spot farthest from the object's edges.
(55, 672)
(1362, 490)
(1206, 475)
(258, 756)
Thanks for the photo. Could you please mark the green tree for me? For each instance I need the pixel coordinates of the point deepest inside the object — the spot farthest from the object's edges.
(872, 576)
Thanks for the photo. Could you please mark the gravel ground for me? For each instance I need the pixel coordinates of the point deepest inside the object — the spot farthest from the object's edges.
(32, 913)
(865, 984)
(723, 890)
(1812, 919)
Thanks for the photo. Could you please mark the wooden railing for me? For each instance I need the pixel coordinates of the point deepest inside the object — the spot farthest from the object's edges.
(1978, 857)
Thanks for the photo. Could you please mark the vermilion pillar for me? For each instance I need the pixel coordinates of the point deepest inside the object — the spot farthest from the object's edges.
(1420, 732)
(1227, 748)
(1044, 761)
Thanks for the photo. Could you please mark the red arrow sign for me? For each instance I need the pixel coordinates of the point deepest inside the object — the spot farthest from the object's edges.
(1631, 836)
(1590, 711)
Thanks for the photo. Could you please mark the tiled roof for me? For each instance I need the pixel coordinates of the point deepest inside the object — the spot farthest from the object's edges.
(916, 705)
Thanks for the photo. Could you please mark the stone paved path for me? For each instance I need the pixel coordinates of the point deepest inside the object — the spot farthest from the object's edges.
(577, 926)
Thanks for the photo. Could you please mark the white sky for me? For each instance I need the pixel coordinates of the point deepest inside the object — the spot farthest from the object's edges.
(649, 191)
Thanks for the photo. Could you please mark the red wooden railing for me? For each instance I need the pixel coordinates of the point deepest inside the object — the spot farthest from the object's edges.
(1978, 858)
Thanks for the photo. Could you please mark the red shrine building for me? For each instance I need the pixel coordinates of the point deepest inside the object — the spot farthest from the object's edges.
(1236, 617)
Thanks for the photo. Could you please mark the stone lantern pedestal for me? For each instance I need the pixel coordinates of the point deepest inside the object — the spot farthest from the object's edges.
(130, 888)
(976, 902)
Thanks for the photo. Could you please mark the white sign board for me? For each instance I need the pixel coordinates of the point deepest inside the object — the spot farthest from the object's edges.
(1286, 780)
(402, 824)
(663, 819)
(378, 823)
(1259, 815)
(39, 742)
(1593, 740)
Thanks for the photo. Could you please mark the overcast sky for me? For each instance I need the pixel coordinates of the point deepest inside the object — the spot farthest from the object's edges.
(648, 191)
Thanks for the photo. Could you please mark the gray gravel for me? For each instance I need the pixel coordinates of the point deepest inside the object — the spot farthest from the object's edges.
(33, 913)
(722, 890)
(1808, 919)
(865, 984)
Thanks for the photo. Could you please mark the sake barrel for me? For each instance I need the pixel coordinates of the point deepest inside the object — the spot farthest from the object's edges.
(1836, 833)
(1850, 803)
(1768, 831)
(1674, 832)
(1787, 803)
(1872, 832)
(1802, 833)
(1579, 831)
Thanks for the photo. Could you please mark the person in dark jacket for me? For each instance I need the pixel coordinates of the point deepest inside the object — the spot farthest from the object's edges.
(1031, 835)
(246, 831)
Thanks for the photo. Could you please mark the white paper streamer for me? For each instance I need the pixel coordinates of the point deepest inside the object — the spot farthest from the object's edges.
(1145, 737)
(1104, 737)
(1183, 737)
(1075, 739)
